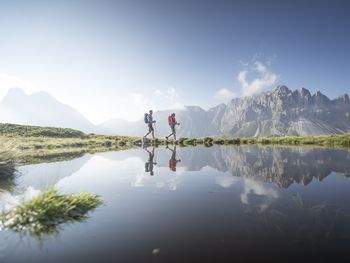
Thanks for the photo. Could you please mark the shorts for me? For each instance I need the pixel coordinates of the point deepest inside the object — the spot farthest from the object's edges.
(150, 127)
(172, 127)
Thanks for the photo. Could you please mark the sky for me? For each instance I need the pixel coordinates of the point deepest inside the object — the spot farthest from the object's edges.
(117, 59)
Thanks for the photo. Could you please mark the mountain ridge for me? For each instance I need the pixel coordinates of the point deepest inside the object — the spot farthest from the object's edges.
(278, 112)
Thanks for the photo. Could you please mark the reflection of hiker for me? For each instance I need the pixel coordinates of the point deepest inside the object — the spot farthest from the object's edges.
(172, 122)
(149, 164)
(148, 118)
(173, 161)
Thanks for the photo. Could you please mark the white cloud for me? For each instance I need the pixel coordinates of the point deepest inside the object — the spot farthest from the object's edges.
(157, 100)
(263, 78)
(171, 97)
(8, 81)
(224, 95)
(141, 104)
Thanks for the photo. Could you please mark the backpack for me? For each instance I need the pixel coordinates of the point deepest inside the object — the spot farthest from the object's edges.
(146, 118)
(171, 120)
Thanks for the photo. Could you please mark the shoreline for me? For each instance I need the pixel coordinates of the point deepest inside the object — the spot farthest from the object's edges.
(34, 144)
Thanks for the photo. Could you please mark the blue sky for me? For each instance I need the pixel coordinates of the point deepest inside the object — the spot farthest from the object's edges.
(115, 59)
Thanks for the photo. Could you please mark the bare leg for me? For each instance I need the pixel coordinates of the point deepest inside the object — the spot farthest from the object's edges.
(169, 135)
(146, 134)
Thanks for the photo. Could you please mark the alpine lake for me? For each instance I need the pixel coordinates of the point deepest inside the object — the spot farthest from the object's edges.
(192, 204)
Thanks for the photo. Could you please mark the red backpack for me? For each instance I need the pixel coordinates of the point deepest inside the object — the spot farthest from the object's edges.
(171, 120)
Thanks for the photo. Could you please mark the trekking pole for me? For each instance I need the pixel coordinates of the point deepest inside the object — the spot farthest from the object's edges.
(155, 156)
(155, 130)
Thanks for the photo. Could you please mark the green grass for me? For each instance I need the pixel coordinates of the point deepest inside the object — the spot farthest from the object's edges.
(322, 140)
(35, 143)
(46, 212)
(37, 131)
(8, 163)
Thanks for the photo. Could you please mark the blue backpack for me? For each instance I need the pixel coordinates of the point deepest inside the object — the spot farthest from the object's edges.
(146, 118)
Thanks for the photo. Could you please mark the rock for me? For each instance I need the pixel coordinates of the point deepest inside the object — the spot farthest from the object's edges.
(156, 251)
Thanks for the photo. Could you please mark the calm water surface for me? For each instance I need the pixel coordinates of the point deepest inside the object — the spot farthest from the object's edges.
(197, 204)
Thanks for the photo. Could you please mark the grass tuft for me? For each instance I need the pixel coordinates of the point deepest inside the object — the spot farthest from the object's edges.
(44, 213)
(8, 164)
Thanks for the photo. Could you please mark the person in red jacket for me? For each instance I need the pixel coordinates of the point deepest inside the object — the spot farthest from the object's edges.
(172, 122)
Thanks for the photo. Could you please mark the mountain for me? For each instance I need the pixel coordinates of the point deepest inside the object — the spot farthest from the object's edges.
(41, 109)
(194, 121)
(281, 112)
(286, 112)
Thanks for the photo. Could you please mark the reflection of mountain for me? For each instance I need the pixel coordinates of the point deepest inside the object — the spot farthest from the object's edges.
(281, 165)
(41, 176)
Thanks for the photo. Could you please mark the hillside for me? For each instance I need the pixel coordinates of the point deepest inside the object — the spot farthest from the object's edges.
(13, 130)
(41, 109)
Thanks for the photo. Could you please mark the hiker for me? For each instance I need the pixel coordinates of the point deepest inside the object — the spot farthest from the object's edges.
(148, 118)
(172, 122)
(173, 161)
(150, 163)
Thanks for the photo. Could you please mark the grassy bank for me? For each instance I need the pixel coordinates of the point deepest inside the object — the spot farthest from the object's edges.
(35, 144)
(8, 163)
(43, 214)
(322, 140)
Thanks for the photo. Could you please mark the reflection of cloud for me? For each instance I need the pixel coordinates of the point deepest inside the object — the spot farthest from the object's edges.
(258, 188)
(176, 180)
(140, 177)
(170, 180)
(173, 183)
(160, 184)
(226, 181)
(8, 201)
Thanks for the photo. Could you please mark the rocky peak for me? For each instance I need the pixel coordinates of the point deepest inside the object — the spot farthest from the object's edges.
(318, 93)
(282, 91)
(320, 98)
(15, 93)
(343, 98)
(194, 108)
(221, 106)
(304, 92)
